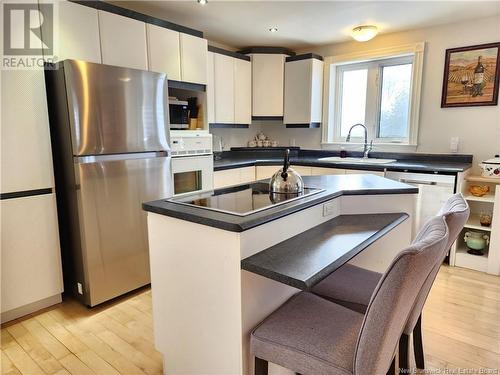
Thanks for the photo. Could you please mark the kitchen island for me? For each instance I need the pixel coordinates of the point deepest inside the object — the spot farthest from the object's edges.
(222, 261)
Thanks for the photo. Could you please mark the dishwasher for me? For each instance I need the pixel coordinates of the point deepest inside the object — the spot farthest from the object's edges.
(433, 191)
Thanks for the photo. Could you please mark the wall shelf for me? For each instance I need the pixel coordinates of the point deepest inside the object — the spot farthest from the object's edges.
(485, 198)
(488, 180)
(473, 223)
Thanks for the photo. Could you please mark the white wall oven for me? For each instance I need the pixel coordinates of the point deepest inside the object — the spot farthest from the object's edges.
(192, 162)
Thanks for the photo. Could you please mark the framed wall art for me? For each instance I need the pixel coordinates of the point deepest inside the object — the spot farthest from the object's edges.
(471, 76)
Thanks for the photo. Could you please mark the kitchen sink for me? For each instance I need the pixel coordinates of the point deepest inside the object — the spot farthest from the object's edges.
(338, 159)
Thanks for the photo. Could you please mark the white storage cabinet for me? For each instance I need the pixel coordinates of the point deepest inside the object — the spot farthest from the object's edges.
(303, 90)
(229, 88)
(268, 75)
(235, 176)
(164, 52)
(123, 41)
(193, 54)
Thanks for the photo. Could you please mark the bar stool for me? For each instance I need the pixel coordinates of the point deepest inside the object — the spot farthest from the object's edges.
(311, 335)
(352, 286)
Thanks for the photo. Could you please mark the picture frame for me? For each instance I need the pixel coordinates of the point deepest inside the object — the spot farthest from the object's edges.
(471, 76)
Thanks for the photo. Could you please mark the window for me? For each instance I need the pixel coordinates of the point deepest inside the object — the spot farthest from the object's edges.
(381, 93)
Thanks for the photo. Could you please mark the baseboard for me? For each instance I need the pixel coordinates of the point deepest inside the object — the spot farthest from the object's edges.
(19, 312)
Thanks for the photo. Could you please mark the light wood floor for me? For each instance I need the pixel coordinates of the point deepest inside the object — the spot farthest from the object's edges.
(461, 330)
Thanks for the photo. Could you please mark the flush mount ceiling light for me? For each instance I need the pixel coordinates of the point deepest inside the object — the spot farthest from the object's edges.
(202, 2)
(364, 33)
(273, 29)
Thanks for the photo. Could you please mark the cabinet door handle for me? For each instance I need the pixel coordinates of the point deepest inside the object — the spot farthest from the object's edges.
(408, 181)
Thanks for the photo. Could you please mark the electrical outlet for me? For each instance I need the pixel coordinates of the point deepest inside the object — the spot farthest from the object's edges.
(454, 144)
(330, 208)
(80, 288)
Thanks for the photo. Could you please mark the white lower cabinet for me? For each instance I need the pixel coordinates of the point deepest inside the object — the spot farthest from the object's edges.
(302, 170)
(233, 176)
(31, 258)
(241, 175)
(247, 174)
(360, 171)
(267, 171)
(320, 171)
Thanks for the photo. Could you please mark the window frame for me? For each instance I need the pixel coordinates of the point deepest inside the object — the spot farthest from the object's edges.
(336, 65)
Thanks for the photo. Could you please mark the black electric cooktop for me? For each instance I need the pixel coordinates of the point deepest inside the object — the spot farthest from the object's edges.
(242, 200)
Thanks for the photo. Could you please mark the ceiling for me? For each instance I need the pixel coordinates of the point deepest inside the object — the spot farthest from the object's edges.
(302, 24)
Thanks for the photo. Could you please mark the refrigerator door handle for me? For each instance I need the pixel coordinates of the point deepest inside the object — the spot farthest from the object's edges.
(119, 157)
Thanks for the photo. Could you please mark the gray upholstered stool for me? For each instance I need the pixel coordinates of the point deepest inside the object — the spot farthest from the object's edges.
(311, 335)
(352, 286)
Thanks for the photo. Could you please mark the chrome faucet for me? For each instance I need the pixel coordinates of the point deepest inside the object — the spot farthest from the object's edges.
(367, 148)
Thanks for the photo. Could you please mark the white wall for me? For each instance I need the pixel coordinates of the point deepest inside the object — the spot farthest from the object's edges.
(477, 127)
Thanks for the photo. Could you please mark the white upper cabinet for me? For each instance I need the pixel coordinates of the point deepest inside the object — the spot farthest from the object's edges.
(123, 41)
(25, 140)
(210, 88)
(76, 33)
(229, 89)
(303, 91)
(193, 59)
(224, 88)
(267, 84)
(242, 91)
(164, 51)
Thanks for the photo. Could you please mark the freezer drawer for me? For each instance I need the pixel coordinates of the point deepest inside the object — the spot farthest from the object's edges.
(113, 231)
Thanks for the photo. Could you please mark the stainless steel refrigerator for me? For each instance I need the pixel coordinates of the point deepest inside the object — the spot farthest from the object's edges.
(110, 143)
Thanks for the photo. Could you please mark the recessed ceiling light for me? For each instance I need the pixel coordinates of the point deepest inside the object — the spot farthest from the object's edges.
(364, 33)
(273, 29)
(202, 2)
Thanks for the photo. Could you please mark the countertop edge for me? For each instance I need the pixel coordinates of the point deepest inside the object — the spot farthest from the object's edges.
(311, 281)
(235, 227)
(361, 167)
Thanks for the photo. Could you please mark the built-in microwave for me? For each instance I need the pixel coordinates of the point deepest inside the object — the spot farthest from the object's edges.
(179, 114)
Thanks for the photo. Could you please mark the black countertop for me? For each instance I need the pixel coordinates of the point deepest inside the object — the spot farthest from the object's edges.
(307, 258)
(334, 186)
(412, 162)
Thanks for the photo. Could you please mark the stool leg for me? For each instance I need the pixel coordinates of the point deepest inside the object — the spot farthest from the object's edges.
(260, 366)
(392, 369)
(418, 345)
(404, 342)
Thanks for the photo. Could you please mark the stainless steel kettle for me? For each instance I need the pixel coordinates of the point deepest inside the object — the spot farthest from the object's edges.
(286, 180)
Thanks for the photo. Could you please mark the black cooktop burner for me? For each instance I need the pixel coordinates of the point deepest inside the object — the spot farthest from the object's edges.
(242, 200)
